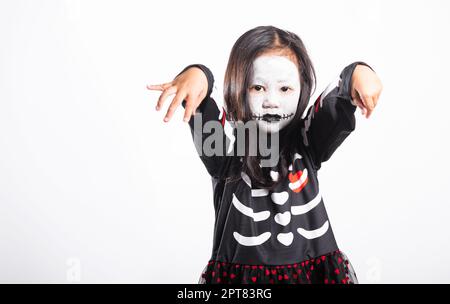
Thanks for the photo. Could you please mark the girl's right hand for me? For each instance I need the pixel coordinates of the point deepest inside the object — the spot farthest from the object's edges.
(191, 85)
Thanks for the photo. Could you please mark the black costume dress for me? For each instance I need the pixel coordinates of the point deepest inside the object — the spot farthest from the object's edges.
(281, 235)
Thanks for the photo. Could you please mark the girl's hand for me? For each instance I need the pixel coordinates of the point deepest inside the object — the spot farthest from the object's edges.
(366, 89)
(191, 85)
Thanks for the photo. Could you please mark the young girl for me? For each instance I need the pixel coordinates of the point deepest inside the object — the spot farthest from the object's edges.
(271, 225)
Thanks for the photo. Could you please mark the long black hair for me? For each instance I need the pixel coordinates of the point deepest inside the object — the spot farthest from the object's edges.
(253, 43)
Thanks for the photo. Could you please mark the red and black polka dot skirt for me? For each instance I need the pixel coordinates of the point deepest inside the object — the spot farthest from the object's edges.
(332, 268)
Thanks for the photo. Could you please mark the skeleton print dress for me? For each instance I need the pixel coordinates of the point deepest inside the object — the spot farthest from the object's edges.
(282, 236)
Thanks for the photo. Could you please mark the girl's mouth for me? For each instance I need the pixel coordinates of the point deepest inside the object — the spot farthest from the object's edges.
(272, 117)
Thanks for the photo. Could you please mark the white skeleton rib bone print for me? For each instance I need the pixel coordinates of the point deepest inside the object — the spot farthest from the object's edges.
(297, 181)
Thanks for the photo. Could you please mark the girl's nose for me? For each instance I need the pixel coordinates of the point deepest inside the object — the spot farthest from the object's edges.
(271, 102)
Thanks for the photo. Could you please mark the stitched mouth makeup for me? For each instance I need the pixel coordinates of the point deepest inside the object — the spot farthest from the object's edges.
(272, 117)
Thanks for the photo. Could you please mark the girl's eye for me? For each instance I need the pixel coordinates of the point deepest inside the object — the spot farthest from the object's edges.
(258, 88)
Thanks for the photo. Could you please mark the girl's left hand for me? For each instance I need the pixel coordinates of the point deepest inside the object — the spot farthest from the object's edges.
(366, 89)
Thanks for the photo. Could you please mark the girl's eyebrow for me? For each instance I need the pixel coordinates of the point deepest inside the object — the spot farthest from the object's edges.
(279, 81)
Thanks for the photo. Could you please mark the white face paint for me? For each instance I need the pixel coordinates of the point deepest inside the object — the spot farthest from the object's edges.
(274, 92)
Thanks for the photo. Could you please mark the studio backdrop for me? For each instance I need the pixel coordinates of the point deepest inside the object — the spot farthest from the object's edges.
(96, 188)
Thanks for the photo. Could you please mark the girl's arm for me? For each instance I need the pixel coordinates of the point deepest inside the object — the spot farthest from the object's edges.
(211, 133)
(331, 118)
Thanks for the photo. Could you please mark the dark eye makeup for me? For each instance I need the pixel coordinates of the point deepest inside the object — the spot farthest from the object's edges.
(259, 88)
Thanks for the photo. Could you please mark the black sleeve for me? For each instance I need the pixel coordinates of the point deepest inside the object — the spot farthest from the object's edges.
(218, 134)
(331, 118)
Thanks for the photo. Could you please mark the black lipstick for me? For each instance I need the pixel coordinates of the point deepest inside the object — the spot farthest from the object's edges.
(271, 117)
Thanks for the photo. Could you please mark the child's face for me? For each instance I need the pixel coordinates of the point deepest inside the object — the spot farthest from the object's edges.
(274, 92)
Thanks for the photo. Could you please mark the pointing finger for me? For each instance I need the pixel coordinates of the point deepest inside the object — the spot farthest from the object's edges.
(178, 99)
(159, 87)
(188, 112)
(368, 102)
(357, 101)
(163, 96)
(191, 107)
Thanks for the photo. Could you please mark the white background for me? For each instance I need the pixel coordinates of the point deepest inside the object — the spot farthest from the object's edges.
(95, 187)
